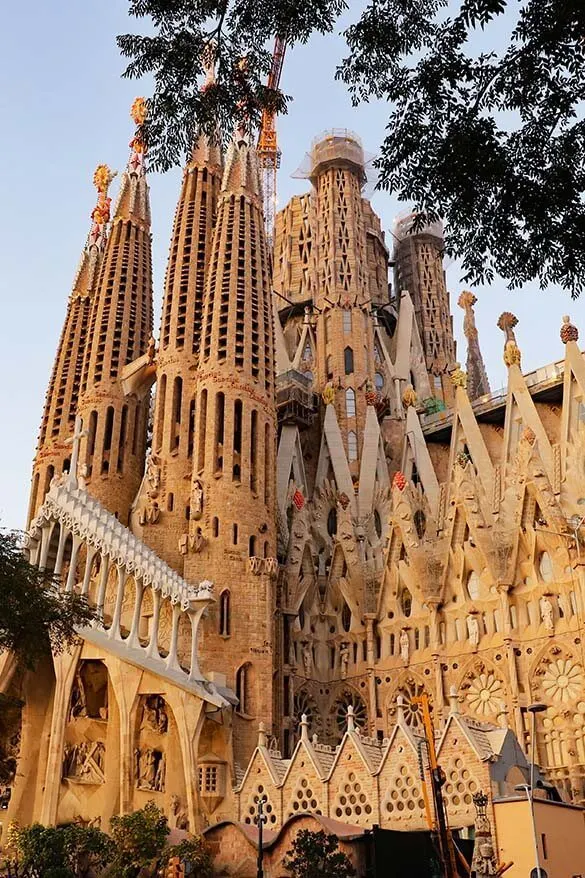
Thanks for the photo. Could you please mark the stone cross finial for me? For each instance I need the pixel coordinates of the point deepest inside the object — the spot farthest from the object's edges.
(304, 727)
(350, 718)
(262, 735)
(453, 701)
(78, 434)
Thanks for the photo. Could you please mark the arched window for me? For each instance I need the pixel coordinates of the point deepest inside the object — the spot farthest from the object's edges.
(170, 502)
(379, 381)
(235, 534)
(406, 602)
(243, 694)
(215, 526)
(224, 613)
(332, 522)
(252, 546)
(346, 617)
(329, 364)
(350, 402)
(352, 447)
(348, 361)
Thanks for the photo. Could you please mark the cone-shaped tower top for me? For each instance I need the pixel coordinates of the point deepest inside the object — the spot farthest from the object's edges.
(242, 172)
(180, 340)
(120, 329)
(53, 451)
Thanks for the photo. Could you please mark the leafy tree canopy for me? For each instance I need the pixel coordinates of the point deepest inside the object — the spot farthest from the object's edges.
(139, 840)
(317, 855)
(34, 613)
(486, 98)
(65, 852)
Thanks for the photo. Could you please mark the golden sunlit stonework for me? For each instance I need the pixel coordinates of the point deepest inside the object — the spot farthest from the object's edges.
(296, 513)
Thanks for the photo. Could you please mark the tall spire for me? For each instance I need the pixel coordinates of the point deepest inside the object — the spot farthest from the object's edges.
(232, 526)
(119, 331)
(419, 269)
(53, 450)
(477, 380)
(180, 340)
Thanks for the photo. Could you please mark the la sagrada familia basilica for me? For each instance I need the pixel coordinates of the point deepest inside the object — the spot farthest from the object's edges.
(294, 512)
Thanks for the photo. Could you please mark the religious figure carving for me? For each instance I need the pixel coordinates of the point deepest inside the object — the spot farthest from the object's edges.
(84, 762)
(473, 629)
(178, 814)
(150, 511)
(150, 769)
(404, 646)
(196, 500)
(78, 700)
(546, 614)
(154, 714)
(307, 658)
(344, 660)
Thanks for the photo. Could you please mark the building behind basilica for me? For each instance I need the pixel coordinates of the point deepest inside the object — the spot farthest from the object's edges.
(315, 516)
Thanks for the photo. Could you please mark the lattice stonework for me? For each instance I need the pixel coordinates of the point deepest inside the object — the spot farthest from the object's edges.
(250, 812)
(460, 786)
(304, 798)
(403, 799)
(352, 804)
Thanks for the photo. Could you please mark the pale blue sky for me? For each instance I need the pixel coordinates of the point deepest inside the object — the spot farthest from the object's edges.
(64, 109)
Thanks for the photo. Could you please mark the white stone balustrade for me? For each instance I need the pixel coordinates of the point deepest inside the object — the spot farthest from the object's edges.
(71, 519)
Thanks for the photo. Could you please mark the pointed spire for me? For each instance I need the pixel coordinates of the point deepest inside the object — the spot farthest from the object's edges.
(53, 450)
(304, 727)
(478, 384)
(119, 330)
(262, 737)
(242, 173)
(400, 709)
(453, 701)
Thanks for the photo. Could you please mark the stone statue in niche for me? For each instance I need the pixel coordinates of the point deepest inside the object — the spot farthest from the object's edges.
(78, 702)
(307, 658)
(89, 693)
(344, 660)
(196, 500)
(84, 762)
(404, 646)
(150, 769)
(178, 814)
(154, 714)
(546, 613)
(473, 629)
(150, 511)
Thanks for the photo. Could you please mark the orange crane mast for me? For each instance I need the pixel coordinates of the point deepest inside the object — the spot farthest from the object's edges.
(268, 152)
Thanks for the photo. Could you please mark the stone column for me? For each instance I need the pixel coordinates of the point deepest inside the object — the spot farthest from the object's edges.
(65, 665)
(125, 680)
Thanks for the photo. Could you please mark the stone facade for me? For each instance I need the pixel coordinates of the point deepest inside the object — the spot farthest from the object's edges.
(370, 532)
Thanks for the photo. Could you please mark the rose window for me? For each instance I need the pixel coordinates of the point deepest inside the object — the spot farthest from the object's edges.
(485, 695)
(563, 680)
(360, 713)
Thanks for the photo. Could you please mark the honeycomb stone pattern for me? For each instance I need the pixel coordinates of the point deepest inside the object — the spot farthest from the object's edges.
(404, 797)
(351, 804)
(304, 798)
(251, 811)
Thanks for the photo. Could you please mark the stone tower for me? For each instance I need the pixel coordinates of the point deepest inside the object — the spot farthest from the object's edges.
(54, 448)
(179, 344)
(231, 533)
(418, 260)
(119, 331)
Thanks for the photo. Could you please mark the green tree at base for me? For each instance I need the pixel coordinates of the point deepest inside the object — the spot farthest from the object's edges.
(317, 855)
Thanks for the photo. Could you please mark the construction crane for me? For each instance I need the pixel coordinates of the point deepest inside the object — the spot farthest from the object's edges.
(267, 149)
